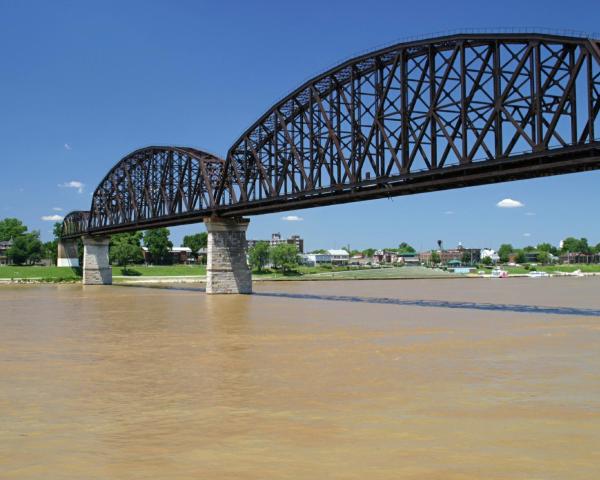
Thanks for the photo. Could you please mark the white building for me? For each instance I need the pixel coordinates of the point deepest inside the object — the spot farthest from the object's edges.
(314, 259)
(489, 253)
(333, 257)
(339, 257)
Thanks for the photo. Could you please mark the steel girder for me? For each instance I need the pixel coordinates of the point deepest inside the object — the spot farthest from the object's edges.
(427, 115)
(74, 224)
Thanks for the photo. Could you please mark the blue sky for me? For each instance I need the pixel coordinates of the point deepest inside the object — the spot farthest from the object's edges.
(83, 83)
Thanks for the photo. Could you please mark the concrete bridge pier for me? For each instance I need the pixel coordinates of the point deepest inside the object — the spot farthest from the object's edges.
(67, 254)
(227, 270)
(96, 269)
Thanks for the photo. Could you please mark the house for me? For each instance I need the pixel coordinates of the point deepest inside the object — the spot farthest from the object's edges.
(359, 259)
(489, 253)
(339, 257)
(314, 259)
(460, 254)
(574, 257)
(4, 246)
(409, 258)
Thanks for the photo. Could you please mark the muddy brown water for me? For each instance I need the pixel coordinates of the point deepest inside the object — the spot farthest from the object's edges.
(432, 379)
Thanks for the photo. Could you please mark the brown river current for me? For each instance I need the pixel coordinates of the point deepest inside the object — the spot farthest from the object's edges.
(431, 379)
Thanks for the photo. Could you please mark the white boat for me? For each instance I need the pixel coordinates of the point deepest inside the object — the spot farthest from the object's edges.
(536, 274)
(499, 273)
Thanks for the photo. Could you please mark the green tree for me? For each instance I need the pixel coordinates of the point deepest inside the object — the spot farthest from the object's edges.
(26, 248)
(596, 248)
(504, 252)
(405, 248)
(543, 257)
(259, 256)
(319, 250)
(467, 258)
(158, 244)
(574, 245)
(284, 257)
(547, 247)
(50, 249)
(369, 252)
(11, 228)
(487, 260)
(520, 258)
(196, 242)
(125, 249)
(435, 257)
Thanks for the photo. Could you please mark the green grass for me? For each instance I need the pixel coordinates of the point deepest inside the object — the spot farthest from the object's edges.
(160, 270)
(37, 272)
(58, 274)
(593, 268)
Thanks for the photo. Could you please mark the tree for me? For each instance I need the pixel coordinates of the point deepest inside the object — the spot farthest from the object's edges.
(284, 257)
(125, 248)
(158, 244)
(259, 255)
(435, 257)
(543, 257)
(439, 242)
(405, 248)
(520, 256)
(597, 248)
(196, 242)
(11, 228)
(467, 258)
(319, 250)
(26, 248)
(574, 245)
(487, 260)
(504, 252)
(369, 252)
(50, 249)
(547, 247)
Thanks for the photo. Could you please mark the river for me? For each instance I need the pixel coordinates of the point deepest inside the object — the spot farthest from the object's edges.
(432, 379)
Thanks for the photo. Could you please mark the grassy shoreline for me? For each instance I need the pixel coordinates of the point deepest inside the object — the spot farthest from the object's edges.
(140, 273)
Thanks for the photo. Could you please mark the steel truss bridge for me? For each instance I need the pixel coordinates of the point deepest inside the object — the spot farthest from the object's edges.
(447, 112)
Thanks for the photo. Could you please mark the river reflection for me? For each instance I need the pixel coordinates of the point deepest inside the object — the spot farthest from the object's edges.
(397, 379)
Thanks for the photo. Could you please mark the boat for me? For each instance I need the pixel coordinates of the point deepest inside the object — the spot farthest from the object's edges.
(499, 273)
(536, 274)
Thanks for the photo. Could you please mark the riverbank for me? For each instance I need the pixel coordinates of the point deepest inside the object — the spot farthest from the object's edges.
(197, 274)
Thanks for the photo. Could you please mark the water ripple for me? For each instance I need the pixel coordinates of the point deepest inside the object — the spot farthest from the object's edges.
(502, 307)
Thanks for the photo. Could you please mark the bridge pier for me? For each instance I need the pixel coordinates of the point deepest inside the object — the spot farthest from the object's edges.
(96, 269)
(67, 254)
(227, 269)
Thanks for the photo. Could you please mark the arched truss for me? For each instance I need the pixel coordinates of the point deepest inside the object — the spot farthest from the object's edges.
(74, 224)
(154, 186)
(426, 115)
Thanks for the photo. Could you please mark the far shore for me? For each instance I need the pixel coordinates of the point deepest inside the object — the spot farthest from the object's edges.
(187, 274)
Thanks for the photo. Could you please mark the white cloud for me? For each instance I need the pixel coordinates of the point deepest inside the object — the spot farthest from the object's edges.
(292, 218)
(449, 212)
(509, 203)
(73, 184)
(67, 146)
(57, 209)
(527, 234)
(52, 218)
(530, 214)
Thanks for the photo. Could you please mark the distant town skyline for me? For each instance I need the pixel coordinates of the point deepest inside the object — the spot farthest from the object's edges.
(89, 83)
